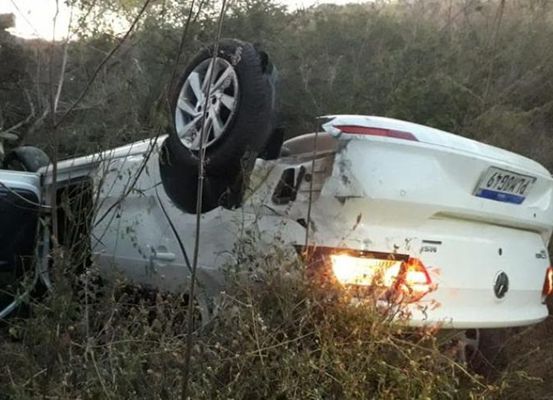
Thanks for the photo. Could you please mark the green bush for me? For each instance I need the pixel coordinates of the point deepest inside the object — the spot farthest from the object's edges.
(280, 337)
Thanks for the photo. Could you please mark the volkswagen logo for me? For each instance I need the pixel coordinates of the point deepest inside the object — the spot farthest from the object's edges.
(501, 285)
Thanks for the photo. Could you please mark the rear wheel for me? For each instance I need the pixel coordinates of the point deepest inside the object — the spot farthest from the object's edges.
(489, 360)
(230, 97)
(26, 158)
(220, 106)
(169, 310)
(481, 350)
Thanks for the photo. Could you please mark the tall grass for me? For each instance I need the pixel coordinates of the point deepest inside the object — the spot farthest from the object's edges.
(281, 336)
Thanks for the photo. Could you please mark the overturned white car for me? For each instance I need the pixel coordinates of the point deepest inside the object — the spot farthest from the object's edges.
(456, 229)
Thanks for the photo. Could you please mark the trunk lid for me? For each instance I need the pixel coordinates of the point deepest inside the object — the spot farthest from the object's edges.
(436, 137)
(430, 174)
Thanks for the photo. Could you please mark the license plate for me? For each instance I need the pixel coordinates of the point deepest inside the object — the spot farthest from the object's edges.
(503, 185)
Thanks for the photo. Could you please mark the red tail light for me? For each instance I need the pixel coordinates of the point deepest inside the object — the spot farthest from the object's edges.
(363, 130)
(413, 281)
(547, 284)
(406, 280)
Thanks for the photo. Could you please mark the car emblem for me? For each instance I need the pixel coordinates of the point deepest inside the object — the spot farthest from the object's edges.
(501, 285)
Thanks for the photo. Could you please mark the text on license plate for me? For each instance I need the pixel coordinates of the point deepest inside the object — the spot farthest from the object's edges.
(503, 185)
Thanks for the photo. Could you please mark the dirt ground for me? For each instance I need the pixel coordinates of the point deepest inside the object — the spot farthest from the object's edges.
(528, 353)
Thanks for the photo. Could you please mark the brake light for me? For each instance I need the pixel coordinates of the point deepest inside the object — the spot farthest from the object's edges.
(363, 130)
(406, 280)
(414, 281)
(364, 271)
(547, 284)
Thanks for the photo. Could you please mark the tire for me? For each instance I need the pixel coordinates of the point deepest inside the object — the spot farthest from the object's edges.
(480, 350)
(171, 308)
(489, 360)
(243, 102)
(26, 158)
(180, 182)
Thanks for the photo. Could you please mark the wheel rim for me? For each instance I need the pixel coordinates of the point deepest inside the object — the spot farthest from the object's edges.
(222, 102)
(468, 344)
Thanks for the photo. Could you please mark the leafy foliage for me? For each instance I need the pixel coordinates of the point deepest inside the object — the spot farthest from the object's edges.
(479, 68)
(277, 338)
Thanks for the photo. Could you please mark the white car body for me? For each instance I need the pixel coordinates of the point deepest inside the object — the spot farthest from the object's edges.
(412, 195)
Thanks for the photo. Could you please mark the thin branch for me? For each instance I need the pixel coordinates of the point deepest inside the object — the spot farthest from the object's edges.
(173, 75)
(23, 122)
(175, 232)
(493, 48)
(103, 63)
(131, 183)
(199, 198)
(181, 46)
(22, 14)
(54, 156)
(310, 202)
(63, 64)
(35, 125)
(82, 19)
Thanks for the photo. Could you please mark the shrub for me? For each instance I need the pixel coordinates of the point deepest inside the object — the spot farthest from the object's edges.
(280, 337)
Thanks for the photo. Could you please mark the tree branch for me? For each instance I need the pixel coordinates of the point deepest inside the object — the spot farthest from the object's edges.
(104, 61)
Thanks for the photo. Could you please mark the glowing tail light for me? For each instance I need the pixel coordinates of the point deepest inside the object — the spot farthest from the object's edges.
(414, 280)
(408, 278)
(547, 284)
(361, 271)
(363, 130)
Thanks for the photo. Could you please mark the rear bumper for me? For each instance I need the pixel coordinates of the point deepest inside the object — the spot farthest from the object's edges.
(417, 199)
(479, 315)
(463, 259)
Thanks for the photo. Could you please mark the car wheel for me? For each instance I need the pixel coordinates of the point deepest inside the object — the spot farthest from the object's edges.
(480, 350)
(180, 182)
(489, 359)
(239, 106)
(172, 308)
(26, 158)
(238, 123)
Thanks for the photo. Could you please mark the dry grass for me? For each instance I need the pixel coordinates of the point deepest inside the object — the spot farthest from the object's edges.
(278, 338)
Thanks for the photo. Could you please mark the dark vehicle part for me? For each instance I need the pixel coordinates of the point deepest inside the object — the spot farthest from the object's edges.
(75, 210)
(238, 123)
(181, 182)
(19, 213)
(481, 350)
(490, 359)
(273, 149)
(288, 185)
(25, 158)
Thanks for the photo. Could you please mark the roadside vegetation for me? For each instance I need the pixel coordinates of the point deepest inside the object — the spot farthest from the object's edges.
(279, 337)
(478, 68)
